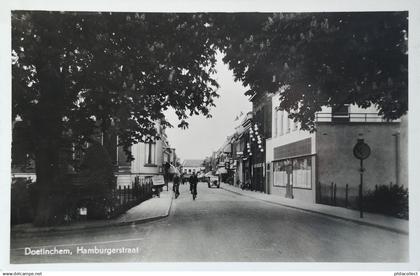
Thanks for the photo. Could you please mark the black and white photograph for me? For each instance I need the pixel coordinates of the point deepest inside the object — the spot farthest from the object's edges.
(145, 136)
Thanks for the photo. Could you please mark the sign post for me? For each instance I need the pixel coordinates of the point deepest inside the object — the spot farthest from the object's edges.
(361, 151)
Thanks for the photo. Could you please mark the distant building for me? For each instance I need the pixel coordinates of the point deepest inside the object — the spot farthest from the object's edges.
(192, 165)
(225, 164)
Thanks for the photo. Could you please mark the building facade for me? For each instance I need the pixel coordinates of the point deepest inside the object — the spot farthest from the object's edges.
(260, 129)
(313, 167)
(149, 159)
(242, 152)
(190, 166)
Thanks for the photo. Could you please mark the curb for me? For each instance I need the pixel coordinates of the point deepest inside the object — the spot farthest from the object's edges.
(84, 227)
(325, 214)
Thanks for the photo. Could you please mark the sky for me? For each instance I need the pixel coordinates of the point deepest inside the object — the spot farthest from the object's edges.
(206, 135)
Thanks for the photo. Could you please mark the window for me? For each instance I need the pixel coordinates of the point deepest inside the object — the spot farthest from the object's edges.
(150, 149)
(275, 122)
(267, 118)
(189, 170)
(340, 113)
(279, 173)
(185, 170)
(281, 122)
(301, 174)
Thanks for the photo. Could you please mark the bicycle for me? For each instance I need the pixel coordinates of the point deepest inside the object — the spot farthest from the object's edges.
(194, 191)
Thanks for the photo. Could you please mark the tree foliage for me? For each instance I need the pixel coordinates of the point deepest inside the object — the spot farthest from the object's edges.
(321, 59)
(119, 69)
(98, 169)
(77, 74)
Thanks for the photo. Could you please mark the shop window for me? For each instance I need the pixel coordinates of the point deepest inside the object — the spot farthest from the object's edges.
(301, 175)
(302, 168)
(280, 172)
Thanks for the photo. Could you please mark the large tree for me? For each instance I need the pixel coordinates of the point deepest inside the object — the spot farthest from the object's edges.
(320, 59)
(75, 74)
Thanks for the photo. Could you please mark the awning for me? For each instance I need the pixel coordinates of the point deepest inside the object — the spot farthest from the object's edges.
(173, 170)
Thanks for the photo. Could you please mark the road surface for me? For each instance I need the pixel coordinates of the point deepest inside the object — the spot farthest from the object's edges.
(221, 226)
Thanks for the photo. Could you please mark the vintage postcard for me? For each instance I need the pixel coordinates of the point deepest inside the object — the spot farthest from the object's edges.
(209, 136)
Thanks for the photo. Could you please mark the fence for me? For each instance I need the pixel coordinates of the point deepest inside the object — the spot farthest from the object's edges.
(78, 202)
(113, 203)
(338, 195)
(349, 117)
(343, 195)
(127, 197)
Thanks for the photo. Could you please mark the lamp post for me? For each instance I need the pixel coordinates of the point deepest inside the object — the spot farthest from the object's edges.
(361, 151)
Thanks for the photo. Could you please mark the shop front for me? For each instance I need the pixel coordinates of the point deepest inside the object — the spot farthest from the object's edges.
(294, 176)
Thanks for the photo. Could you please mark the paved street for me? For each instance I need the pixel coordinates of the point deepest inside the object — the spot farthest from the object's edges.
(223, 226)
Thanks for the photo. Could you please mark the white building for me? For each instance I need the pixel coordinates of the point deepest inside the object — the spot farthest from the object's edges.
(148, 160)
(307, 163)
(190, 166)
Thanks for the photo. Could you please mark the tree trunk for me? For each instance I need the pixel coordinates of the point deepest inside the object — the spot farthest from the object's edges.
(48, 183)
(47, 126)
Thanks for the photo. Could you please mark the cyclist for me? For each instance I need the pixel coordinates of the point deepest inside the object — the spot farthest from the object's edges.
(193, 185)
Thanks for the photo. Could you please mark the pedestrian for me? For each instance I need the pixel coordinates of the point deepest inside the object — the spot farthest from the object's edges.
(176, 182)
(193, 185)
(183, 178)
(166, 168)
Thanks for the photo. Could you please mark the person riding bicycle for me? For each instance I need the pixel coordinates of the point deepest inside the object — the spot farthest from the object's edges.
(193, 185)
(176, 181)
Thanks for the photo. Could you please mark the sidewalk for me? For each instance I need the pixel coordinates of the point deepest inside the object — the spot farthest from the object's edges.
(149, 210)
(376, 220)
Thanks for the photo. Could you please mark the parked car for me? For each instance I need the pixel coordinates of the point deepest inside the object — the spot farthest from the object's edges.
(213, 181)
(202, 177)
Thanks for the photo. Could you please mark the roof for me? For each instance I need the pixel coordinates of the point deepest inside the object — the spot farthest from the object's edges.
(192, 163)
